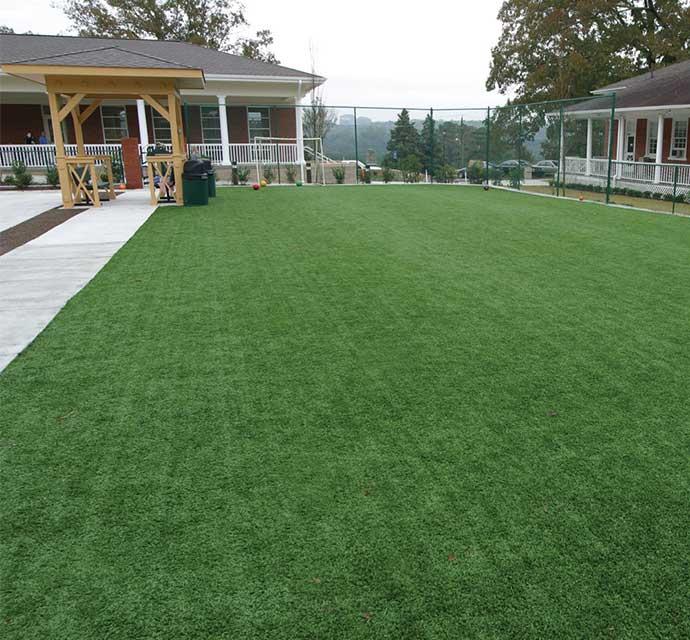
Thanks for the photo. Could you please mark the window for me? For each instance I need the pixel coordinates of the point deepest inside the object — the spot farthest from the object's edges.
(259, 122)
(161, 128)
(210, 124)
(114, 124)
(679, 141)
(651, 137)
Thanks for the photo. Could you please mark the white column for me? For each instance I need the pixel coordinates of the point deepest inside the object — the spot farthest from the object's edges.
(620, 146)
(299, 131)
(224, 135)
(143, 127)
(659, 148)
(589, 147)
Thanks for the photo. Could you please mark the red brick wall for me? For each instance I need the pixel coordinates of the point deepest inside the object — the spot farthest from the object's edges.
(93, 128)
(17, 119)
(133, 121)
(238, 125)
(640, 138)
(283, 124)
(193, 122)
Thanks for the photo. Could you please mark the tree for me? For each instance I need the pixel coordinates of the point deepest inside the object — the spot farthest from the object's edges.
(430, 146)
(404, 141)
(218, 24)
(6, 29)
(552, 49)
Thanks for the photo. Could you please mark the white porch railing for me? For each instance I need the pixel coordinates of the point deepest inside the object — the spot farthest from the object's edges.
(627, 171)
(41, 155)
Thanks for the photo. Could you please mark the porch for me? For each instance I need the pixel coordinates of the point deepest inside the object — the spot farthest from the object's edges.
(644, 176)
(40, 156)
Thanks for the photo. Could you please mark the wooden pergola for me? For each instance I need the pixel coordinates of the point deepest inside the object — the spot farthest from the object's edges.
(68, 85)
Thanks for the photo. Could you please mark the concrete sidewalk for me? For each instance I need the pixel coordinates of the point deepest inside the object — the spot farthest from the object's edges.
(18, 206)
(38, 278)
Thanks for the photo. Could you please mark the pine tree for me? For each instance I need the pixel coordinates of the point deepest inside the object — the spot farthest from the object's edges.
(404, 141)
(431, 146)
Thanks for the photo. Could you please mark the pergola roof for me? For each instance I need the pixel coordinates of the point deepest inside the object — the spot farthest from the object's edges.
(16, 47)
(112, 56)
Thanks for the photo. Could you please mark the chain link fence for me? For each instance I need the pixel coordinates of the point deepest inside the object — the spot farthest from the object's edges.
(582, 148)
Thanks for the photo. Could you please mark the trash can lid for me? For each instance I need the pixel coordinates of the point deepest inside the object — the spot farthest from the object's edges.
(193, 167)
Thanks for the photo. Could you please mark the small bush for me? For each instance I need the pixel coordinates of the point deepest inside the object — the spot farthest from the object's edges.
(20, 177)
(52, 176)
(387, 175)
(291, 173)
(243, 175)
(475, 173)
(269, 176)
(411, 168)
(447, 173)
(516, 177)
(339, 174)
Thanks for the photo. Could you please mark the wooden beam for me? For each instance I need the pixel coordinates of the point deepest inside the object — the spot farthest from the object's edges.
(105, 87)
(65, 179)
(78, 132)
(100, 72)
(157, 106)
(89, 110)
(71, 103)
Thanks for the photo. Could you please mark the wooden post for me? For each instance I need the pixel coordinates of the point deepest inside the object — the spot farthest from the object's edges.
(152, 188)
(178, 158)
(61, 165)
(94, 184)
(78, 131)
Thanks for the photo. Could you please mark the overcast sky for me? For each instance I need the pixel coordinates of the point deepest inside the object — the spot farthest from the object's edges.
(389, 53)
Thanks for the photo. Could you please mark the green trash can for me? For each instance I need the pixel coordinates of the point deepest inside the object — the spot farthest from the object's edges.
(211, 173)
(195, 183)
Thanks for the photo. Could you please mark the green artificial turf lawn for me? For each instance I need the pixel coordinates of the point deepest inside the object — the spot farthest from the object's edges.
(374, 412)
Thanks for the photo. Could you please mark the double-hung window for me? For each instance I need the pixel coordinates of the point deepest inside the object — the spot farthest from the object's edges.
(210, 125)
(114, 124)
(651, 138)
(679, 140)
(259, 122)
(161, 128)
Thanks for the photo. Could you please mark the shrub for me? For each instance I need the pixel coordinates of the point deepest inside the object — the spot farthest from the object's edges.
(475, 173)
(243, 175)
(387, 175)
(516, 177)
(411, 168)
(269, 176)
(339, 174)
(20, 177)
(291, 173)
(118, 171)
(446, 173)
(52, 176)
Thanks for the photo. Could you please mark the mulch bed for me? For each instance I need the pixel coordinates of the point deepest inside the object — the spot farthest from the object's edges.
(25, 231)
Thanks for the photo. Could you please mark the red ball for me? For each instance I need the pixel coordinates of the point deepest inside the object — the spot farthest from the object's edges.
(256, 187)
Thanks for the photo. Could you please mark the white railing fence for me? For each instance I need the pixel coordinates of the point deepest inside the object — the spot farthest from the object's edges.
(628, 171)
(36, 156)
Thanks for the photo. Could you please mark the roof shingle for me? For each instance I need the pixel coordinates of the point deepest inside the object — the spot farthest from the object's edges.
(16, 48)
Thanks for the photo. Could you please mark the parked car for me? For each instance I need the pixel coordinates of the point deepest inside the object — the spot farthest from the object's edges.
(544, 168)
(508, 165)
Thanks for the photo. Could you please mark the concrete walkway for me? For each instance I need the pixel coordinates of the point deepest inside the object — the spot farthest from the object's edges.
(38, 278)
(18, 206)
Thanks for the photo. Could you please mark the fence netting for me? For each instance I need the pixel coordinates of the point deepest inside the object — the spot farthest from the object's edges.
(581, 148)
